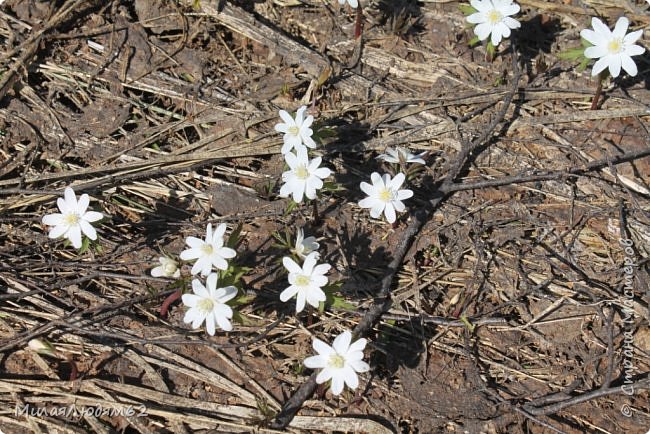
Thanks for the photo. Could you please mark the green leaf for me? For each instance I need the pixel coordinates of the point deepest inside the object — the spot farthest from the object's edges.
(332, 186)
(583, 65)
(290, 207)
(85, 244)
(324, 132)
(572, 54)
(233, 239)
(242, 299)
(466, 322)
(474, 41)
(241, 318)
(466, 9)
(491, 50)
(341, 303)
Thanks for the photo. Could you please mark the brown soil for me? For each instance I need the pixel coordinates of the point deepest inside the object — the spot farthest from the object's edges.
(508, 310)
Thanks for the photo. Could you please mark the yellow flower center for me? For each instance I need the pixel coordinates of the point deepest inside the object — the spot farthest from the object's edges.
(385, 195)
(206, 305)
(72, 219)
(615, 46)
(293, 130)
(494, 16)
(301, 172)
(336, 361)
(170, 268)
(302, 280)
(207, 249)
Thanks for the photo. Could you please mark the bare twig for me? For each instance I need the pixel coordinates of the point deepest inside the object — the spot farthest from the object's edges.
(643, 384)
(383, 300)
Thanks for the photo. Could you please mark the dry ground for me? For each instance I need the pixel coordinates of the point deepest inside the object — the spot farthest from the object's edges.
(163, 112)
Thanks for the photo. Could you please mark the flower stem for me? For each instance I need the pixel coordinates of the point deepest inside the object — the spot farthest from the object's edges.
(168, 301)
(74, 372)
(314, 214)
(358, 25)
(599, 91)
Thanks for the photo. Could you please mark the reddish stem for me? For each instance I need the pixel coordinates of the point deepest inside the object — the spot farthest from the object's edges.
(74, 372)
(599, 91)
(358, 25)
(168, 301)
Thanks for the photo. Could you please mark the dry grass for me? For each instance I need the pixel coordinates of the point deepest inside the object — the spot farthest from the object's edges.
(506, 309)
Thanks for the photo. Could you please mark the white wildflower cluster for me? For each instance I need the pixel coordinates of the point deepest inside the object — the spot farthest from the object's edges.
(213, 277)
(613, 49)
(305, 176)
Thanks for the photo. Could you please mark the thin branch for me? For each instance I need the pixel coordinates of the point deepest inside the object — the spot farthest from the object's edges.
(642, 384)
(547, 176)
(383, 300)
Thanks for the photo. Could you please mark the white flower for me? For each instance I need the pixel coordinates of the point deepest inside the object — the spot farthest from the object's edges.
(612, 49)
(296, 131)
(73, 219)
(209, 305)
(305, 176)
(340, 362)
(493, 17)
(305, 246)
(400, 154)
(306, 281)
(384, 195)
(42, 346)
(208, 253)
(167, 268)
(353, 3)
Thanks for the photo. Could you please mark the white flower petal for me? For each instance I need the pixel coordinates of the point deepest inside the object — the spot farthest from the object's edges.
(377, 209)
(342, 342)
(291, 265)
(92, 216)
(210, 324)
(286, 117)
(300, 302)
(324, 375)
(629, 66)
(359, 365)
(288, 293)
(74, 235)
(57, 231)
(88, 229)
(322, 348)
(337, 384)
(357, 345)
(389, 212)
(82, 204)
(483, 30)
(70, 198)
(620, 28)
(53, 219)
(350, 377)
(315, 362)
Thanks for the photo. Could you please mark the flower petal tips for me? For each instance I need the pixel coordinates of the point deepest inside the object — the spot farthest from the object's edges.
(73, 220)
(208, 304)
(304, 176)
(385, 196)
(305, 281)
(339, 362)
(296, 131)
(208, 253)
(492, 18)
(613, 49)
